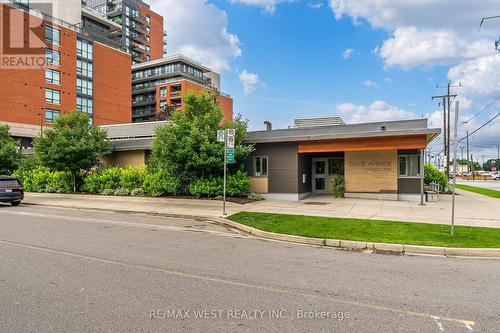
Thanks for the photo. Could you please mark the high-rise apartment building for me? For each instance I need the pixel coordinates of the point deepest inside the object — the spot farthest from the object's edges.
(141, 33)
(80, 72)
(158, 87)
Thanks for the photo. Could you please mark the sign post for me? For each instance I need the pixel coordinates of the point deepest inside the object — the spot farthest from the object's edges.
(228, 137)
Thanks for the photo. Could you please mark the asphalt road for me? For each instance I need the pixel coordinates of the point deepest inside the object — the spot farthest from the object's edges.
(67, 270)
(489, 184)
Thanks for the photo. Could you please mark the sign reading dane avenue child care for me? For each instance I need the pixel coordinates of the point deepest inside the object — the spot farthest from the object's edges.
(373, 166)
(371, 171)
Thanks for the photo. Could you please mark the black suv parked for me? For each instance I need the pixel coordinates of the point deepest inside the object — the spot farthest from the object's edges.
(11, 191)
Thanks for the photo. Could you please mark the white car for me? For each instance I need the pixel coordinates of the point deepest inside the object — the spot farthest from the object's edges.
(495, 177)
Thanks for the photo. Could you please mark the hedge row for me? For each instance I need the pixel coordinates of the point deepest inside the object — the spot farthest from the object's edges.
(131, 181)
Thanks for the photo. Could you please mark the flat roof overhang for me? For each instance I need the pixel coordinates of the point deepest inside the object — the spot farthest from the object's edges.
(363, 144)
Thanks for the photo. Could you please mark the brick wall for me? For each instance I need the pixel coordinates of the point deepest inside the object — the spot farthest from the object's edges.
(112, 86)
(156, 33)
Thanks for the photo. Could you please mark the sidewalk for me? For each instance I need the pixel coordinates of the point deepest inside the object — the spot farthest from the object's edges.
(472, 209)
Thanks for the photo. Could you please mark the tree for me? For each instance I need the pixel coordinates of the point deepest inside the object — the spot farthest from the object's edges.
(10, 156)
(187, 146)
(487, 166)
(72, 145)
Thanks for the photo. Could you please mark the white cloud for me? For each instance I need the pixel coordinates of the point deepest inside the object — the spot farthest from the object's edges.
(377, 111)
(411, 46)
(347, 53)
(269, 6)
(419, 33)
(479, 77)
(315, 5)
(198, 29)
(370, 84)
(249, 81)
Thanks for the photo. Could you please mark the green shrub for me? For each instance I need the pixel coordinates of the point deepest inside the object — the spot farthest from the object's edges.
(238, 184)
(41, 179)
(105, 179)
(108, 192)
(433, 174)
(59, 182)
(160, 183)
(132, 178)
(122, 192)
(137, 192)
(206, 187)
(338, 186)
(254, 196)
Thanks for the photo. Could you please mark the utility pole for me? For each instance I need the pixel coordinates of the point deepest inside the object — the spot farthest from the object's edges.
(446, 100)
(482, 165)
(455, 146)
(468, 165)
(472, 165)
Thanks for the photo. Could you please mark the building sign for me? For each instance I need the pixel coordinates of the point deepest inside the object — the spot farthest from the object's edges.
(373, 166)
(230, 155)
(371, 171)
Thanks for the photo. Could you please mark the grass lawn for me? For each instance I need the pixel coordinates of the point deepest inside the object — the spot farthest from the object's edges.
(371, 230)
(483, 191)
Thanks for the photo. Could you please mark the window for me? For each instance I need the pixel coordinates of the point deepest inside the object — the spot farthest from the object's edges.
(84, 49)
(148, 19)
(52, 35)
(84, 86)
(163, 104)
(336, 166)
(84, 68)
(163, 91)
(148, 39)
(52, 76)
(53, 96)
(85, 105)
(148, 30)
(51, 115)
(260, 166)
(53, 57)
(409, 166)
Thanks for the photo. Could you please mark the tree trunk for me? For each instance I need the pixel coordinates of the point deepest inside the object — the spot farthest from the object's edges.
(74, 181)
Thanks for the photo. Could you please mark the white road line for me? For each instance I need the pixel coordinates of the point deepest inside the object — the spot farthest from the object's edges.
(469, 327)
(241, 284)
(127, 224)
(438, 323)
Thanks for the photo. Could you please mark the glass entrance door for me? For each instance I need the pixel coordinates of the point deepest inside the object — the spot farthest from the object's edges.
(319, 176)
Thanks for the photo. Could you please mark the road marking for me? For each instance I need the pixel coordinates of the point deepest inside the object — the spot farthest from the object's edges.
(128, 224)
(215, 279)
(438, 323)
(469, 327)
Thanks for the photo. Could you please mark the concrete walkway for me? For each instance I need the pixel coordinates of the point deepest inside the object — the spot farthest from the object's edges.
(472, 209)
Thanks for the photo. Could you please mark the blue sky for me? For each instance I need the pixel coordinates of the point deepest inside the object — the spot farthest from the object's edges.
(366, 60)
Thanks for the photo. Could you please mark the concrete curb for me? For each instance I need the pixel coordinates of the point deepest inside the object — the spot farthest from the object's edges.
(334, 243)
(356, 245)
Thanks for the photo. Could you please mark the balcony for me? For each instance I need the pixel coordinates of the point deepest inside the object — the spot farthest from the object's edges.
(146, 101)
(140, 29)
(115, 11)
(140, 19)
(139, 48)
(139, 39)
